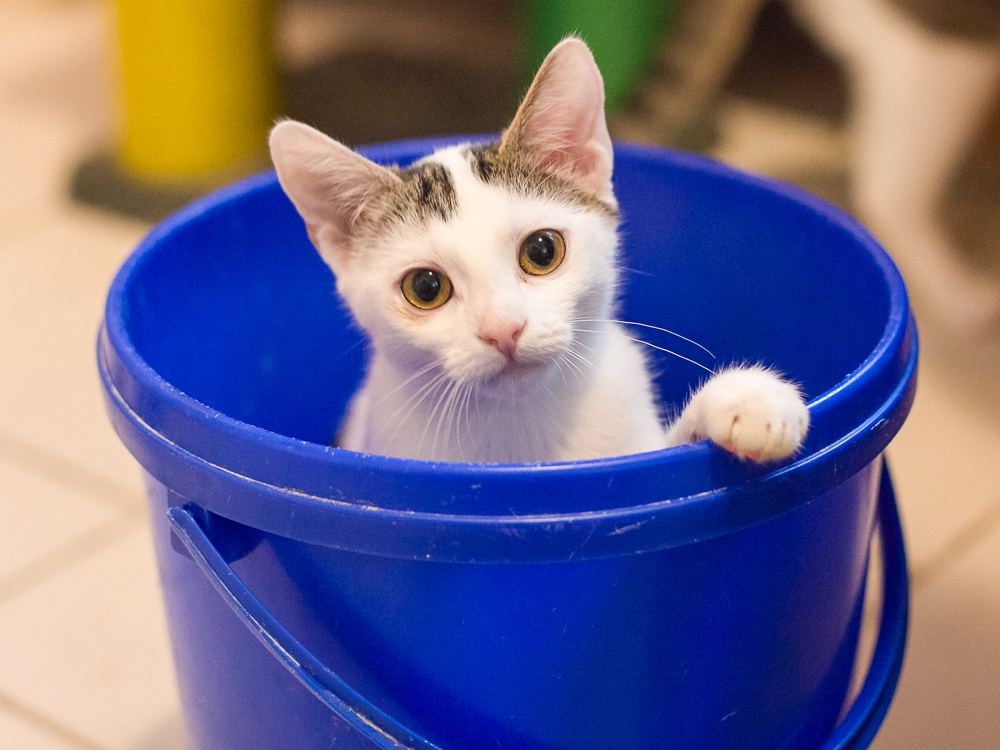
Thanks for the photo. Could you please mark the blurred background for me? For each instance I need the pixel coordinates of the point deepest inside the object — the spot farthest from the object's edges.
(112, 115)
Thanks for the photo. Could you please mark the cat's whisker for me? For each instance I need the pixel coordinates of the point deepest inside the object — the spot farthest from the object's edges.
(562, 361)
(437, 413)
(479, 411)
(422, 393)
(476, 443)
(598, 371)
(562, 372)
(428, 418)
(593, 366)
(463, 393)
(658, 348)
(580, 358)
(574, 368)
(546, 388)
(587, 347)
(446, 419)
(646, 325)
(422, 371)
(414, 401)
(473, 388)
(393, 420)
(452, 418)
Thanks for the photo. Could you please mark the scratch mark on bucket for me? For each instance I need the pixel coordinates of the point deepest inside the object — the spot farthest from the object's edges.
(590, 534)
(626, 529)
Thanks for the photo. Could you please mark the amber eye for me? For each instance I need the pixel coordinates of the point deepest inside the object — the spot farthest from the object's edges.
(541, 252)
(426, 288)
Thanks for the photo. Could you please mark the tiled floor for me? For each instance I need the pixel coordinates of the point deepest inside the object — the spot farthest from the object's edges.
(84, 655)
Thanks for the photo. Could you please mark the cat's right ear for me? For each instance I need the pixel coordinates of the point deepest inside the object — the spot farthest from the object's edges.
(562, 120)
(328, 183)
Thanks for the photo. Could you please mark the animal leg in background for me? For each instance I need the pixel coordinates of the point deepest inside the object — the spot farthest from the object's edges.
(918, 99)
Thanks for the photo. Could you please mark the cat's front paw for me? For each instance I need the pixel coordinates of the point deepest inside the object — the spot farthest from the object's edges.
(751, 412)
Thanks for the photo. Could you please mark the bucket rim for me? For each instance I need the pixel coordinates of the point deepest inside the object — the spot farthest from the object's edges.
(132, 385)
(527, 538)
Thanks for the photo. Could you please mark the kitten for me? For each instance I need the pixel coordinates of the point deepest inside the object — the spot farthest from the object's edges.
(486, 278)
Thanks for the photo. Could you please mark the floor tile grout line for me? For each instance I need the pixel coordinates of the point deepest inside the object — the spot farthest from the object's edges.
(975, 531)
(84, 546)
(49, 464)
(47, 724)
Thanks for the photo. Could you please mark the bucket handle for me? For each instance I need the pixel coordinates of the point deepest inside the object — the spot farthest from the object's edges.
(862, 721)
(856, 730)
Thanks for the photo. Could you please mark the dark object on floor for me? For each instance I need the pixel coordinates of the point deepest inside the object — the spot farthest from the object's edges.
(971, 19)
(101, 181)
(783, 65)
(374, 96)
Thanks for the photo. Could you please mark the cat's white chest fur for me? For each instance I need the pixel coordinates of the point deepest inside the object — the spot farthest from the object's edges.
(486, 278)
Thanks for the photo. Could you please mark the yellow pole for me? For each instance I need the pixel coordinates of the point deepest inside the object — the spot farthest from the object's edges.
(198, 85)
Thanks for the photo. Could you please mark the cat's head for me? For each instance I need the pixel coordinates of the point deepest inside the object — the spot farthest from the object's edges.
(486, 259)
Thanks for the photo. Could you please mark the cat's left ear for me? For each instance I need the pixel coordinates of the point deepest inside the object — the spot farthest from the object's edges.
(562, 121)
(328, 183)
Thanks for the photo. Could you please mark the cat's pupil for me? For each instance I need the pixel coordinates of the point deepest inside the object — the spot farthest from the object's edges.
(540, 249)
(426, 285)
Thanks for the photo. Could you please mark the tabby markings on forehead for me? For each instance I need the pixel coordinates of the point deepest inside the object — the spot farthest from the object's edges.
(425, 191)
(515, 169)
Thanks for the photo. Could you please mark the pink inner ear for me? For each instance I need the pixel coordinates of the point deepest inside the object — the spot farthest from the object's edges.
(325, 180)
(563, 117)
(590, 165)
(580, 159)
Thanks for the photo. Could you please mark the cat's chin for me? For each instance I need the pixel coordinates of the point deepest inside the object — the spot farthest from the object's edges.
(517, 375)
(520, 368)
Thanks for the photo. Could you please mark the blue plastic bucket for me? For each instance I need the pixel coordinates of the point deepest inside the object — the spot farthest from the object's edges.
(319, 598)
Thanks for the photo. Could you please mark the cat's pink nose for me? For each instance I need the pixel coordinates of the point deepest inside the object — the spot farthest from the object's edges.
(503, 336)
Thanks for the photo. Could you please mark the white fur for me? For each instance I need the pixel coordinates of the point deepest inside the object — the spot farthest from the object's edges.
(436, 387)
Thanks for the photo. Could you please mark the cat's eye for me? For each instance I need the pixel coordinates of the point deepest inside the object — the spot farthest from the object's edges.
(426, 288)
(541, 252)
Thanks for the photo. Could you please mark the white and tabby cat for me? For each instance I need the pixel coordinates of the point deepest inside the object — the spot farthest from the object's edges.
(486, 278)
